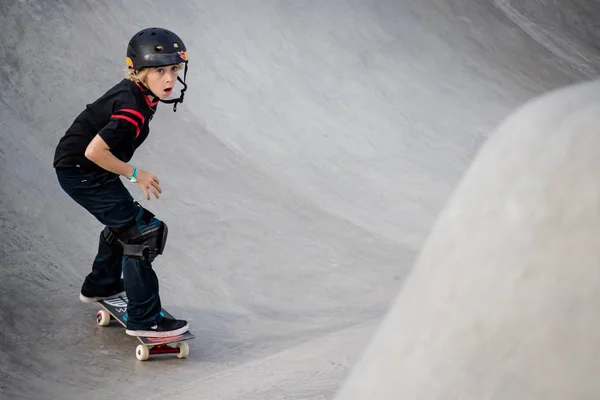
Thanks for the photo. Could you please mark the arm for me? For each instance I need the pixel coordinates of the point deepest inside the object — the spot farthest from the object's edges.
(99, 153)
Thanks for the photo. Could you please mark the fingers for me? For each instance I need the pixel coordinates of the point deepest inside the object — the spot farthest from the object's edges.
(149, 183)
(154, 191)
(155, 188)
(156, 185)
(147, 189)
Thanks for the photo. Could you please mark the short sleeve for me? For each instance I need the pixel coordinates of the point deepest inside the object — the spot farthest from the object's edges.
(125, 123)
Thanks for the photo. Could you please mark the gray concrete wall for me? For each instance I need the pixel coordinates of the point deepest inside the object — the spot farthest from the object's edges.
(503, 301)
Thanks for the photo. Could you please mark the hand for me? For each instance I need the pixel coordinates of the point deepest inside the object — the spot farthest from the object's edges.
(148, 182)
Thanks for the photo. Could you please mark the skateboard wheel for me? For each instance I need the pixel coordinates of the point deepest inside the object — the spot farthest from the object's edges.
(142, 352)
(184, 350)
(103, 318)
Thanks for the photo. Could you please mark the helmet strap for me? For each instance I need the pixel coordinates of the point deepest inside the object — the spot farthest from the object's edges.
(147, 91)
(180, 98)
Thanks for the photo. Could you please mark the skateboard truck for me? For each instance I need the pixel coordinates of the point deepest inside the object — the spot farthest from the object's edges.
(143, 352)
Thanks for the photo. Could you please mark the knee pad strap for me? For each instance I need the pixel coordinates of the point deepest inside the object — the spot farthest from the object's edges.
(149, 246)
(109, 236)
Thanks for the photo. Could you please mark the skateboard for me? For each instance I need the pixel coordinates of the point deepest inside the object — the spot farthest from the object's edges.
(116, 308)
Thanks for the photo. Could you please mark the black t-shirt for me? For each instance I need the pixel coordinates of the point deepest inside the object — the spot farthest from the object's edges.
(120, 116)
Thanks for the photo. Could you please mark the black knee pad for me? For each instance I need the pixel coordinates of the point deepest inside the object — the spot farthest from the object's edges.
(148, 245)
(145, 238)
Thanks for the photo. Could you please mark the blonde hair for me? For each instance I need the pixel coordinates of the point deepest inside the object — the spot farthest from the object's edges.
(136, 76)
(140, 76)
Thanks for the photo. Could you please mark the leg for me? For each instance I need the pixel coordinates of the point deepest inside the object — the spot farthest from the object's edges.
(142, 241)
(141, 286)
(104, 196)
(105, 279)
(140, 236)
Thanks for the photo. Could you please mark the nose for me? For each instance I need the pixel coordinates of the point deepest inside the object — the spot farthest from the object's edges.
(171, 76)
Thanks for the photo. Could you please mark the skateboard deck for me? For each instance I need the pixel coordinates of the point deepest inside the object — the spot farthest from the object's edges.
(116, 308)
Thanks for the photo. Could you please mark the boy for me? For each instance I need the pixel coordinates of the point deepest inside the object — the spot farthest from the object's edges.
(91, 157)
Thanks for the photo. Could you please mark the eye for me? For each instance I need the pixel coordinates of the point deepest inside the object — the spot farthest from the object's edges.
(174, 68)
(160, 70)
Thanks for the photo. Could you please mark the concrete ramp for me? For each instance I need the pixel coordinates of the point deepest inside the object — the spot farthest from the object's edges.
(503, 301)
(316, 147)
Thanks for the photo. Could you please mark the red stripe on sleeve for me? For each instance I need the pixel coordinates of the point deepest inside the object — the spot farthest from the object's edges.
(134, 112)
(137, 128)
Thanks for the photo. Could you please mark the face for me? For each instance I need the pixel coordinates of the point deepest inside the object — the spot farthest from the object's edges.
(161, 80)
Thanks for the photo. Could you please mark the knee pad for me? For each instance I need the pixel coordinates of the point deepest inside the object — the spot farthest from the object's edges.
(109, 237)
(149, 245)
(145, 238)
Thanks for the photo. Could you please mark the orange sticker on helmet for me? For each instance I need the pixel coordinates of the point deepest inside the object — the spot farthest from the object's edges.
(129, 62)
(183, 55)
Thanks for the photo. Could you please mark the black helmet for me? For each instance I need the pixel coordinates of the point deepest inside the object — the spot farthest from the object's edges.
(157, 47)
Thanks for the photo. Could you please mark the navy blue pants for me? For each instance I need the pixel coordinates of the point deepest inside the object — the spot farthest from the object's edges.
(106, 198)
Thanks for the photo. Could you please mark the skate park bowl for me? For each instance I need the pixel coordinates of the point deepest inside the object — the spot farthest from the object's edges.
(383, 199)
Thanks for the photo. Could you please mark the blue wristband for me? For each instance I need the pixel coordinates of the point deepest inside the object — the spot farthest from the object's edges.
(133, 177)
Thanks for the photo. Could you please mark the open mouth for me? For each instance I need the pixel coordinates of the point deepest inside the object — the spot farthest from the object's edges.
(168, 90)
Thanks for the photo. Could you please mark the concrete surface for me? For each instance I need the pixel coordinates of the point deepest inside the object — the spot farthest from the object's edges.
(503, 301)
(316, 148)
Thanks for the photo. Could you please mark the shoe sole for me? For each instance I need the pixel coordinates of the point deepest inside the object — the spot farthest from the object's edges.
(95, 299)
(176, 332)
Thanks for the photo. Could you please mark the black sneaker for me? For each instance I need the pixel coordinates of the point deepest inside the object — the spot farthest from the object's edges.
(88, 296)
(165, 328)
